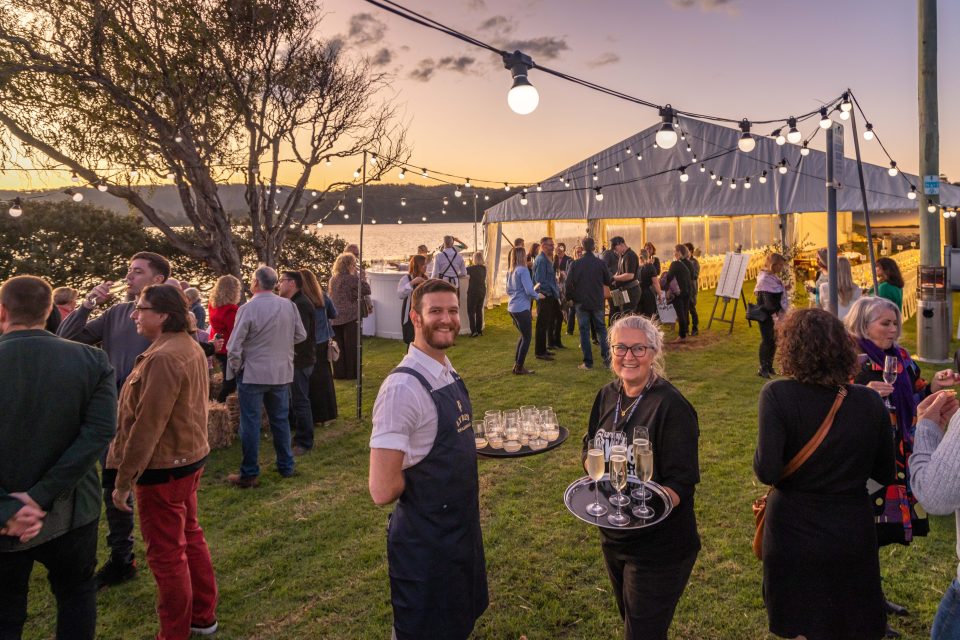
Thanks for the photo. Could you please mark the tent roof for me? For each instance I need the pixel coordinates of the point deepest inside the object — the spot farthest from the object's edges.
(651, 187)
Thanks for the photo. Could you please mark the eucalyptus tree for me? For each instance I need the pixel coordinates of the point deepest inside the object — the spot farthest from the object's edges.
(196, 93)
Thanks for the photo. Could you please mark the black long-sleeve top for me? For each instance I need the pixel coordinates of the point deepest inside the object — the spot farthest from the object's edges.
(674, 434)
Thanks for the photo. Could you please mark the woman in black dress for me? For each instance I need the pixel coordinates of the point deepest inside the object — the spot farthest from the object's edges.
(648, 568)
(821, 573)
(649, 286)
(323, 394)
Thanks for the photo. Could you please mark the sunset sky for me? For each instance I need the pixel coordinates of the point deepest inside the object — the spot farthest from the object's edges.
(758, 59)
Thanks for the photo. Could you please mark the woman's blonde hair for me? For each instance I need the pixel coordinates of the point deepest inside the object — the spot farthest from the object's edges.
(225, 291)
(478, 258)
(650, 329)
(344, 264)
(518, 257)
(845, 285)
(774, 263)
(867, 309)
(311, 287)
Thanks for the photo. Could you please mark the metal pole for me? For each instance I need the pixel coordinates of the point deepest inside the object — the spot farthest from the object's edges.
(475, 242)
(863, 194)
(363, 204)
(832, 134)
(929, 129)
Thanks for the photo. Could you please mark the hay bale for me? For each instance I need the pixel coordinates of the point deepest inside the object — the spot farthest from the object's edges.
(220, 430)
(233, 406)
(216, 383)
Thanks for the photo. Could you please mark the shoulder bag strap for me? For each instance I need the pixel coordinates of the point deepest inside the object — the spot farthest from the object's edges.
(817, 438)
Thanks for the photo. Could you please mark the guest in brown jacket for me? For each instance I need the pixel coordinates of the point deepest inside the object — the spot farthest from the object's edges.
(347, 279)
(159, 451)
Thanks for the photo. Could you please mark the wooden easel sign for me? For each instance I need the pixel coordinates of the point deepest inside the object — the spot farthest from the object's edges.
(730, 288)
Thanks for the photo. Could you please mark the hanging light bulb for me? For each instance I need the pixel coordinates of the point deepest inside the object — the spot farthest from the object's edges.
(702, 168)
(402, 174)
(356, 173)
(656, 146)
(793, 134)
(443, 211)
(931, 208)
(566, 183)
(445, 202)
(341, 206)
(844, 115)
(457, 193)
(667, 135)
(134, 173)
(539, 188)
(463, 202)
(683, 134)
(912, 194)
(102, 186)
(746, 143)
(486, 196)
(628, 151)
(868, 133)
(359, 200)
(315, 206)
(424, 218)
(639, 156)
(733, 183)
(423, 172)
(171, 175)
(523, 198)
(693, 159)
(523, 97)
(893, 171)
(719, 181)
(746, 183)
(845, 104)
(595, 177)
(782, 167)
(781, 139)
(506, 187)
(617, 168)
(403, 202)
(599, 196)
(327, 161)
(466, 185)
(804, 150)
(683, 174)
(399, 221)
(346, 216)
(373, 221)
(713, 176)
(74, 177)
(16, 209)
(178, 138)
(595, 167)
(763, 177)
(319, 225)
(689, 148)
(373, 159)
(825, 121)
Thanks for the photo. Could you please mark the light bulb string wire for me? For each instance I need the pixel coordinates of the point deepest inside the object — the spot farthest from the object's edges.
(877, 138)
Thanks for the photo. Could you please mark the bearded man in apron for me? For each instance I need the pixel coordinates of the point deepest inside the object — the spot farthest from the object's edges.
(423, 455)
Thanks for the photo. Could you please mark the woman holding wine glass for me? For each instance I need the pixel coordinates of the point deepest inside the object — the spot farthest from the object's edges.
(876, 325)
(821, 573)
(648, 567)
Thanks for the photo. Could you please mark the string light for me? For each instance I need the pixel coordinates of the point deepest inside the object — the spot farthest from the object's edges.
(595, 177)
(466, 184)
(733, 183)
(595, 166)
(506, 187)
(523, 97)
(639, 156)
(868, 132)
(319, 225)
(403, 202)
(134, 173)
(702, 168)
(683, 174)
(423, 173)
(566, 183)
(346, 216)
(341, 206)
(424, 218)
(457, 193)
(782, 167)
(356, 173)
(539, 188)
(746, 183)
(74, 177)
(16, 209)
(373, 159)
(102, 186)
(402, 174)
(523, 198)
(763, 177)
(75, 195)
(804, 150)
(598, 196)
(912, 194)
(781, 139)
(746, 143)
(713, 176)
(825, 121)
(667, 135)
(399, 221)
(893, 171)
(793, 134)
(373, 221)
(720, 181)
(328, 163)
(359, 200)
(445, 202)
(617, 168)
(486, 196)
(931, 208)
(178, 138)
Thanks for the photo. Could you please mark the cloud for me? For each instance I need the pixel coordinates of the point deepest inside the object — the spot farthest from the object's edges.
(428, 67)
(705, 5)
(365, 29)
(382, 58)
(544, 47)
(476, 5)
(500, 24)
(604, 59)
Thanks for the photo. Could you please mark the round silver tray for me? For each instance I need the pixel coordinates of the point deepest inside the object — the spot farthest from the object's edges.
(580, 494)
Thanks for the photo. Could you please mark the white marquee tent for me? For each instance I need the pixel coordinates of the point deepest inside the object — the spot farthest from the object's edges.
(645, 200)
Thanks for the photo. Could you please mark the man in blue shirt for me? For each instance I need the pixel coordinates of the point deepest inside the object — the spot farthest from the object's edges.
(548, 304)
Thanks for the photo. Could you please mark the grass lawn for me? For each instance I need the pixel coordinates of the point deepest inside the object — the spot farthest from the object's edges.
(306, 557)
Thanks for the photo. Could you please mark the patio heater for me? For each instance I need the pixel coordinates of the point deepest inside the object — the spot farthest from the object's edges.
(933, 315)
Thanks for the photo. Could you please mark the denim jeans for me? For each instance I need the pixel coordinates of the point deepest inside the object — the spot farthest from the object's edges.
(71, 560)
(946, 624)
(523, 321)
(301, 412)
(276, 398)
(587, 320)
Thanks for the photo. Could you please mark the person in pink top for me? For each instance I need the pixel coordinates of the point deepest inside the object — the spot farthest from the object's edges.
(224, 298)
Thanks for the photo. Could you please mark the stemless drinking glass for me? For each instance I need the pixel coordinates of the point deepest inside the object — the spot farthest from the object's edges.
(594, 465)
(479, 435)
(641, 438)
(644, 473)
(618, 499)
(494, 432)
(511, 435)
(890, 365)
(618, 478)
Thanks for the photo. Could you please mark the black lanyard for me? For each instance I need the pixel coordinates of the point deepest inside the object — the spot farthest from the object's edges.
(636, 403)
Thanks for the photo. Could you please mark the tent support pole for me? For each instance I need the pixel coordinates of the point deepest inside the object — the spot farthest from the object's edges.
(863, 195)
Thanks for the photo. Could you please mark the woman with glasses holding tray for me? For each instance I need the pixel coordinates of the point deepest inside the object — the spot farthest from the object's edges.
(648, 567)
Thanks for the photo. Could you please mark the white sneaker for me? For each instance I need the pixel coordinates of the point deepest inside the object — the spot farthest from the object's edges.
(205, 631)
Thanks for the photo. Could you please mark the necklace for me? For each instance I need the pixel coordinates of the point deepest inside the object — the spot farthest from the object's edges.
(624, 412)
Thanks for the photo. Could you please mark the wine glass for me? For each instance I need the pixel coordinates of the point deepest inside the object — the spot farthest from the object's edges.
(595, 464)
(644, 473)
(890, 366)
(618, 499)
(641, 438)
(618, 478)
(479, 435)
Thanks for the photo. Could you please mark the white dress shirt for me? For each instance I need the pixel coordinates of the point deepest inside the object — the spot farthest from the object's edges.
(262, 339)
(404, 414)
(442, 266)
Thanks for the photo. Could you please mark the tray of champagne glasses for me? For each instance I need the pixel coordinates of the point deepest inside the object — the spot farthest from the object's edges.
(518, 433)
(594, 502)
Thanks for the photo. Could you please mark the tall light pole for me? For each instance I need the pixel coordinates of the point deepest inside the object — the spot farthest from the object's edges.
(929, 129)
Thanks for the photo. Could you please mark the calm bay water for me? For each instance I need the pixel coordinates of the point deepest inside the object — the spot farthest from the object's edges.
(399, 241)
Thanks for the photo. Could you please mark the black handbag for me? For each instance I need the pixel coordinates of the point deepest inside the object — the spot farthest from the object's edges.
(757, 313)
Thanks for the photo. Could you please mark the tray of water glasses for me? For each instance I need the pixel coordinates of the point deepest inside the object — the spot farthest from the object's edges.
(582, 493)
(524, 446)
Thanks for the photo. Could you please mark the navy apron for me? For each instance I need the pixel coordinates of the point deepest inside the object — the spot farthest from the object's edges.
(438, 576)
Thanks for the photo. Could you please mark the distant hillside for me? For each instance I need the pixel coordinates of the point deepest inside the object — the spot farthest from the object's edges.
(383, 202)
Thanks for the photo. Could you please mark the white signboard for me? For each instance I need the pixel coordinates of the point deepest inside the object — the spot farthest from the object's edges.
(731, 277)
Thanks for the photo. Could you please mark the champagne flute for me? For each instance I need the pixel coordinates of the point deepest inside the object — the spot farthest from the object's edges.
(641, 439)
(618, 478)
(890, 366)
(594, 465)
(644, 472)
(618, 499)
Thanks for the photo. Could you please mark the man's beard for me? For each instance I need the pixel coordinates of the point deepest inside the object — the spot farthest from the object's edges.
(436, 341)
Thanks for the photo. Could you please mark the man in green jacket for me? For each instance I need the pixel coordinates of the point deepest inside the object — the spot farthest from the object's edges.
(57, 414)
